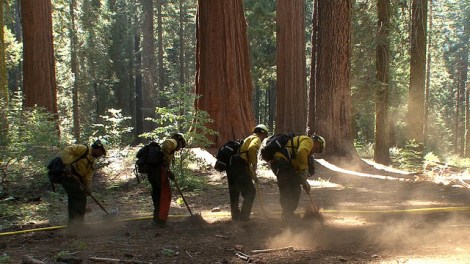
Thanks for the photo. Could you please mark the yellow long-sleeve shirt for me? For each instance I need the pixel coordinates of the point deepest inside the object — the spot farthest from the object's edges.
(169, 147)
(249, 150)
(83, 168)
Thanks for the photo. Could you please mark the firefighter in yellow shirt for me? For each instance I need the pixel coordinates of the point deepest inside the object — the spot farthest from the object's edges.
(291, 174)
(160, 176)
(79, 161)
(242, 172)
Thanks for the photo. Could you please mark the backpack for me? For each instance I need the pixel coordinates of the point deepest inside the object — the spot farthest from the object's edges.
(56, 169)
(148, 157)
(225, 153)
(277, 143)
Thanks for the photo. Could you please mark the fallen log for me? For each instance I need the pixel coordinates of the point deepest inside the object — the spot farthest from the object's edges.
(112, 260)
(30, 260)
(269, 250)
(242, 256)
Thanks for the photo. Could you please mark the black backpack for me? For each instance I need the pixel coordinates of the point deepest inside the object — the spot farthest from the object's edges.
(148, 157)
(225, 153)
(56, 169)
(277, 143)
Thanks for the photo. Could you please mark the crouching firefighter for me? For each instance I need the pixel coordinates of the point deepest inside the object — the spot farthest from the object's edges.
(242, 172)
(79, 162)
(293, 173)
(159, 178)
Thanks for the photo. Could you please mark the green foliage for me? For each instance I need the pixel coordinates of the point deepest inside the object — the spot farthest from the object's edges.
(410, 157)
(13, 50)
(365, 150)
(180, 116)
(5, 258)
(115, 128)
(28, 142)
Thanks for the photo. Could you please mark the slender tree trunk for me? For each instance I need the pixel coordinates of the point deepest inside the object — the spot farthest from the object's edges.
(464, 84)
(311, 125)
(3, 68)
(3, 78)
(161, 68)
(417, 72)
(467, 121)
(182, 44)
(148, 66)
(291, 94)
(15, 75)
(223, 78)
(457, 114)
(333, 91)
(75, 74)
(272, 104)
(428, 77)
(38, 55)
(139, 120)
(381, 151)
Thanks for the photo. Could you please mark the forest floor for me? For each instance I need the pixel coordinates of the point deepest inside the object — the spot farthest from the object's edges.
(371, 215)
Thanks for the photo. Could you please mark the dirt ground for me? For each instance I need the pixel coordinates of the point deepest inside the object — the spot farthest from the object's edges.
(374, 216)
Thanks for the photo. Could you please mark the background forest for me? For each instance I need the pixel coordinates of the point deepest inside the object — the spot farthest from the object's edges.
(118, 61)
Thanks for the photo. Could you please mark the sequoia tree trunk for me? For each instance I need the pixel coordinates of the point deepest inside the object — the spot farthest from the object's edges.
(148, 66)
(332, 72)
(417, 72)
(223, 79)
(38, 55)
(291, 94)
(381, 150)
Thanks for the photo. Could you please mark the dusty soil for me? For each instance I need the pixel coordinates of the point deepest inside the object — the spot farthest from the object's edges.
(375, 216)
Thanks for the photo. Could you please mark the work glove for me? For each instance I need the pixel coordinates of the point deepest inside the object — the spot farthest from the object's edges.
(87, 190)
(306, 187)
(253, 175)
(303, 174)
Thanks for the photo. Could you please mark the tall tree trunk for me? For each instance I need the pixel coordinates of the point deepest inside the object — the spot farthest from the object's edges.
(3, 68)
(333, 91)
(291, 94)
(381, 151)
(75, 73)
(464, 84)
(148, 66)
(467, 122)
(223, 78)
(161, 68)
(311, 126)
(428, 78)
(182, 44)
(3, 76)
(38, 55)
(417, 71)
(139, 121)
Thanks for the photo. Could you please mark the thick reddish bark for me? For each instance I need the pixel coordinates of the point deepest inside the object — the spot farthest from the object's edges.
(333, 91)
(223, 78)
(38, 55)
(291, 93)
(417, 71)
(381, 151)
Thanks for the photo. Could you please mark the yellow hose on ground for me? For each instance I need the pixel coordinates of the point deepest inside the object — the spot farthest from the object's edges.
(331, 211)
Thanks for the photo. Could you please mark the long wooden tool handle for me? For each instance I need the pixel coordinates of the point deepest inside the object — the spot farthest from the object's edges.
(313, 204)
(182, 196)
(93, 197)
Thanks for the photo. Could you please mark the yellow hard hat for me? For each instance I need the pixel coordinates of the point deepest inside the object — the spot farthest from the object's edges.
(101, 143)
(321, 140)
(260, 127)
